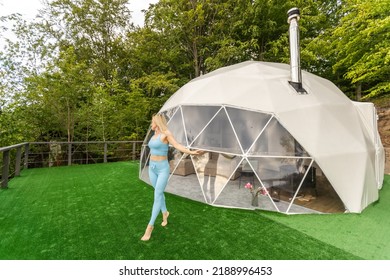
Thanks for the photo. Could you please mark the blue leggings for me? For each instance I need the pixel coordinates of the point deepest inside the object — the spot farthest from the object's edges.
(158, 174)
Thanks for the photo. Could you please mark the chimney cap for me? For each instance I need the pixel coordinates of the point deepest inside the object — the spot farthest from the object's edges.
(293, 13)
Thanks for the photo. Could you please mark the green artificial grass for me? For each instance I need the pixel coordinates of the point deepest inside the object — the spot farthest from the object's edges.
(365, 235)
(99, 212)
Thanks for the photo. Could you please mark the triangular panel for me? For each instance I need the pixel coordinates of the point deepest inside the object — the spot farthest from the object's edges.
(247, 124)
(275, 140)
(282, 178)
(175, 126)
(246, 191)
(144, 172)
(183, 180)
(196, 118)
(214, 170)
(145, 151)
(218, 136)
(144, 157)
(169, 113)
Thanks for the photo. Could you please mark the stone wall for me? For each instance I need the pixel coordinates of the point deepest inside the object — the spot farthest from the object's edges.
(387, 166)
(384, 131)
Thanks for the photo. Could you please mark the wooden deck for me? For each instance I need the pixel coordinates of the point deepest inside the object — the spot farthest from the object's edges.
(323, 199)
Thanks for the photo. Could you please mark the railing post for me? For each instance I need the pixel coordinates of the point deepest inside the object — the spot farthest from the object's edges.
(69, 153)
(105, 152)
(134, 144)
(18, 160)
(4, 174)
(86, 153)
(26, 154)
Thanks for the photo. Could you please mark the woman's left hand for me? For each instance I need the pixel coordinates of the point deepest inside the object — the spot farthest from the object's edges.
(197, 152)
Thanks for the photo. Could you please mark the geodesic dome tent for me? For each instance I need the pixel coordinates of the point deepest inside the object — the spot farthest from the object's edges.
(269, 147)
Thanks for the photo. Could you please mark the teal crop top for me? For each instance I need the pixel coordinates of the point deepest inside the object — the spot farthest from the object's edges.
(158, 147)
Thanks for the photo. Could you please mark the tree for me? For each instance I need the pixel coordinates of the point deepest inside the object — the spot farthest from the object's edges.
(358, 48)
(57, 94)
(84, 39)
(363, 43)
(94, 27)
(196, 29)
(23, 55)
(316, 17)
(82, 71)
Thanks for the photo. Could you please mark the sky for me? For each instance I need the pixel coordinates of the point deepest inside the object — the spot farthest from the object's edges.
(29, 8)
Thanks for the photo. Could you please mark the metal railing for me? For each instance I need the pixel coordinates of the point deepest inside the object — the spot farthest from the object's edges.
(47, 154)
(12, 152)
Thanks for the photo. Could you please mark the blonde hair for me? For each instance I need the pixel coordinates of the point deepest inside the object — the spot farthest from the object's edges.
(161, 122)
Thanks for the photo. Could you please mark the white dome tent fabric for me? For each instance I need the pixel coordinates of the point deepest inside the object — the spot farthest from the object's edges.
(269, 147)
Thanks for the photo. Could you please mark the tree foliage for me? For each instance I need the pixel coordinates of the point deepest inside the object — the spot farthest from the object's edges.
(357, 48)
(363, 41)
(81, 70)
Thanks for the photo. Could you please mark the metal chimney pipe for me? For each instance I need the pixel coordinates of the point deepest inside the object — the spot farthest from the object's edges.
(295, 61)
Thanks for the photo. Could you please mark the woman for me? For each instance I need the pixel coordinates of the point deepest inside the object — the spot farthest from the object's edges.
(159, 168)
